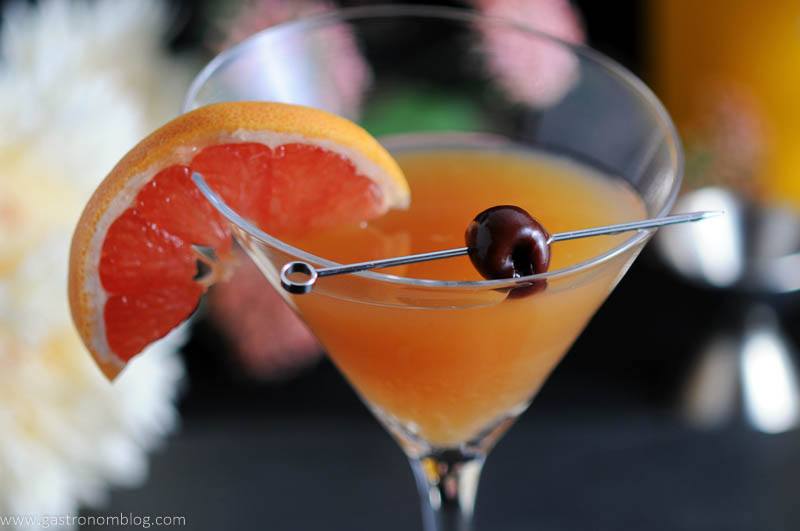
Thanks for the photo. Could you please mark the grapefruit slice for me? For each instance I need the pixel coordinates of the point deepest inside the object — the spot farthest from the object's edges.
(136, 271)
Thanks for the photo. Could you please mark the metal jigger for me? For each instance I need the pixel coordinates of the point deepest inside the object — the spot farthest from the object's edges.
(746, 370)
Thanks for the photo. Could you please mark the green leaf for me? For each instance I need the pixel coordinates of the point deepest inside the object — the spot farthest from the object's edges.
(418, 109)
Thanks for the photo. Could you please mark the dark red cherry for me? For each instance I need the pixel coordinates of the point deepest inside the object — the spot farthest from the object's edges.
(506, 242)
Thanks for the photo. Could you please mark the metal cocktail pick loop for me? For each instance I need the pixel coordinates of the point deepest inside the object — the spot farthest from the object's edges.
(312, 273)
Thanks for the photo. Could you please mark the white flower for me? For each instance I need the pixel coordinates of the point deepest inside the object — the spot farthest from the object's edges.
(80, 83)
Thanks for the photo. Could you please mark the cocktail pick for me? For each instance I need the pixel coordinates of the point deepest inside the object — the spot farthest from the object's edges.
(312, 273)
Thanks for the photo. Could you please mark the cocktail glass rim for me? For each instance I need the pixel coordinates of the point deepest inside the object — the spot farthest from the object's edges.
(460, 15)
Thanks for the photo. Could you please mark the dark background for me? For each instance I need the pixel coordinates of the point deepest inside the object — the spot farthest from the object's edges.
(602, 447)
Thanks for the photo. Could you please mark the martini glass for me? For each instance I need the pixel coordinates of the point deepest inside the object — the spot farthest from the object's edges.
(449, 365)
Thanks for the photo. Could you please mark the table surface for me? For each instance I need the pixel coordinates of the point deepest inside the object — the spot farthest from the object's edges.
(551, 472)
(600, 449)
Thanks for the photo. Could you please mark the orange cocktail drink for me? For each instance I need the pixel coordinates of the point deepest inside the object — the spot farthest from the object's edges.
(447, 374)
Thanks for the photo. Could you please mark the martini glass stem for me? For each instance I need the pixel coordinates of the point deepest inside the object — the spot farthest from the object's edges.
(447, 483)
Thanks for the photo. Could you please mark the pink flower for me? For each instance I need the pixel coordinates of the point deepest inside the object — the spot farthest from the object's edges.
(341, 75)
(268, 337)
(533, 71)
(256, 15)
